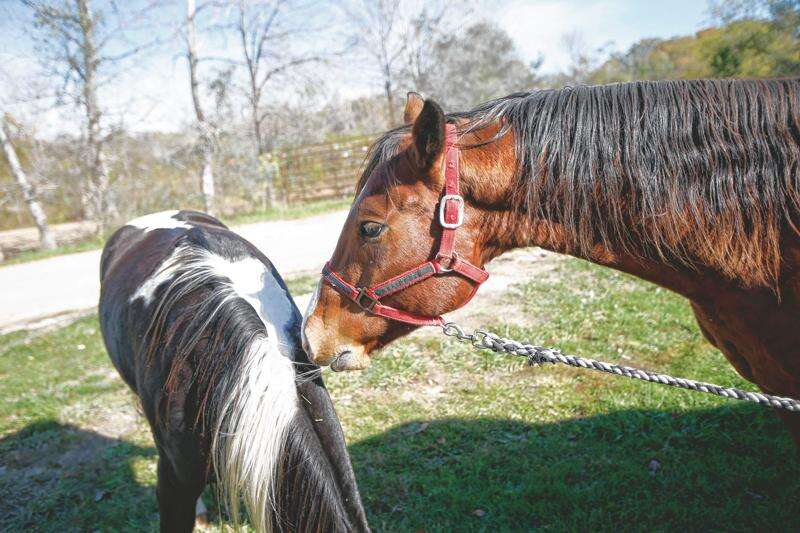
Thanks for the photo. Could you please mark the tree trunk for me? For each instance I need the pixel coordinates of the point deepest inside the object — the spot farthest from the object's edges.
(263, 163)
(207, 175)
(46, 241)
(102, 208)
(206, 142)
(390, 103)
(260, 152)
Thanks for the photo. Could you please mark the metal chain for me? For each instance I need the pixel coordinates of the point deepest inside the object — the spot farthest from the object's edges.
(536, 355)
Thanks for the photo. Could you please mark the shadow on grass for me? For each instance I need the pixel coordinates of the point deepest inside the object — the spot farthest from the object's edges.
(56, 477)
(733, 468)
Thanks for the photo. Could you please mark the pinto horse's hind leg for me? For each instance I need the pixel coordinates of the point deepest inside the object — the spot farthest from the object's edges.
(176, 501)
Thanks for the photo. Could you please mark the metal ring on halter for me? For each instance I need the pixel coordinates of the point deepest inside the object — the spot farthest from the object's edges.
(369, 307)
(452, 259)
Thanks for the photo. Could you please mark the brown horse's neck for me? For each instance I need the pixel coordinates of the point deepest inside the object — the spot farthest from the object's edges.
(505, 224)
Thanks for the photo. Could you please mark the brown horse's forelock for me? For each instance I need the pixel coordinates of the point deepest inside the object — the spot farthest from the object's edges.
(383, 149)
(705, 173)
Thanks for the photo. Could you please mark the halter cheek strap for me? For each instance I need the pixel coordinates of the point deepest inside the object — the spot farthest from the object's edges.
(450, 218)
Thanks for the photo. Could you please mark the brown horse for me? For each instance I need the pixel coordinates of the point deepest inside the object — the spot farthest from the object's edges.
(693, 185)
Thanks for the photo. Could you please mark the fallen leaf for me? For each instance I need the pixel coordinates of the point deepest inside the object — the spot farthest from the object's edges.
(653, 466)
(422, 427)
(99, 495)
(480, 513)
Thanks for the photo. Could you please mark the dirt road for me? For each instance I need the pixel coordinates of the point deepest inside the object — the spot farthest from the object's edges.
(41, 290)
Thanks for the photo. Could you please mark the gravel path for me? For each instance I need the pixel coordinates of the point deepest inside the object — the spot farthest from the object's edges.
(41, 290)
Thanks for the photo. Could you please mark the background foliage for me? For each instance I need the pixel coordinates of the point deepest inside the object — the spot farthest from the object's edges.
(461, 65)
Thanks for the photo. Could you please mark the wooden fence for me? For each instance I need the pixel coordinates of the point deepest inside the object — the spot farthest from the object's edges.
(320, 171)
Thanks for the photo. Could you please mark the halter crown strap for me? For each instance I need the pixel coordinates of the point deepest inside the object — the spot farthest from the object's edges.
(450, 218)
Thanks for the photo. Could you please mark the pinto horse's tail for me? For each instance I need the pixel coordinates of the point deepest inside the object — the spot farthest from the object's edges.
(283, 457)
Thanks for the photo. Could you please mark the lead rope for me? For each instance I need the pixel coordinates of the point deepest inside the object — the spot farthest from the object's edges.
(536, 355)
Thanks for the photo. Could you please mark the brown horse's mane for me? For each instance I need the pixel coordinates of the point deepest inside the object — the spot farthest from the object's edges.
(704, 173)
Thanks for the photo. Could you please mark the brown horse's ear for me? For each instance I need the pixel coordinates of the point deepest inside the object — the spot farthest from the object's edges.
(414, 102)
(429, 134)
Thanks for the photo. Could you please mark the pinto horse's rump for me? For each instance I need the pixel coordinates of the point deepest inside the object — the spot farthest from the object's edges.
(202, 328)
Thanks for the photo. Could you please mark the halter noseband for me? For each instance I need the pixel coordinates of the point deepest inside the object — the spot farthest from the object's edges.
(451, 217)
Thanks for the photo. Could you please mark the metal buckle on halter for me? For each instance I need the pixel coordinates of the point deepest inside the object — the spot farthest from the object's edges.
(443, 210)
(370, 306)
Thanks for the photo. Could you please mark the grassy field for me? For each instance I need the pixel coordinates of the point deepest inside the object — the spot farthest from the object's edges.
(444, 438)
(279, 213)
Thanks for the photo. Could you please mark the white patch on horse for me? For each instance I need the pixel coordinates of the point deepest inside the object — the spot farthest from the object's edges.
(166, 271)
(251, 280)
(162, 220)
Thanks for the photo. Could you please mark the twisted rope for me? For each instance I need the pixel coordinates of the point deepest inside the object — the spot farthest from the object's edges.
(537, 355)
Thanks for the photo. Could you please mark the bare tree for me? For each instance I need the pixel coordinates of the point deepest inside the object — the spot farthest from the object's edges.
(476, 64)
(206, 130)
(424, 34)
(583, 58)
(265, 30)
(46, 241)
(80, 46)
(381, 36)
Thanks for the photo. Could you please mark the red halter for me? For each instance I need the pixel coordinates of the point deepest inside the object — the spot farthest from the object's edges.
(451, 216)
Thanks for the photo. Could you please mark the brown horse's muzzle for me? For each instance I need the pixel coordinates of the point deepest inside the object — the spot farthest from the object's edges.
(322, 340)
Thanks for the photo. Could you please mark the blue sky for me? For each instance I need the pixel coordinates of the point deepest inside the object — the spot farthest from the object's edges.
(154, 94)
(537, 25)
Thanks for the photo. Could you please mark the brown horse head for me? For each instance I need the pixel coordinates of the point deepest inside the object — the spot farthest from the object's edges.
(393, 227)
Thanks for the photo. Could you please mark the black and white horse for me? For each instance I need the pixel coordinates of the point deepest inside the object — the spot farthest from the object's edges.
(202, 328)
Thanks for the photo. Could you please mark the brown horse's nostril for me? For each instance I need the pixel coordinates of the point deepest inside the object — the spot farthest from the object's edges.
(342, 361)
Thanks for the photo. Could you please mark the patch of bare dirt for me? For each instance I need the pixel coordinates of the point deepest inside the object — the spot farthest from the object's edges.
(19, 240)
(111, 419)
(494, 297)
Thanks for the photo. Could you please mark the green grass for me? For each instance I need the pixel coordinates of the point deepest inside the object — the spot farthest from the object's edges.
(84, 245)
(279, 213)
(302, 284)
(288, 213)
(444, 438)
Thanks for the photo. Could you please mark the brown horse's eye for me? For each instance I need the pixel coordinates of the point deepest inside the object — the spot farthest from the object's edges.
(370, 230)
